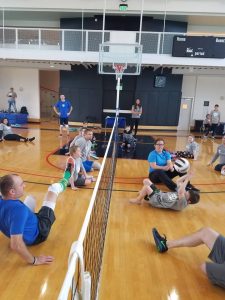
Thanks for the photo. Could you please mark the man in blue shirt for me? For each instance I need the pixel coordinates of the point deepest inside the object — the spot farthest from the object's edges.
(63, 109)
(18, 220)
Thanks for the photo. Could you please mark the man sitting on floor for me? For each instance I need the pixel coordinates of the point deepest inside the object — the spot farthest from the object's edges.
(172, 200)
(215, 271)
(18, 220)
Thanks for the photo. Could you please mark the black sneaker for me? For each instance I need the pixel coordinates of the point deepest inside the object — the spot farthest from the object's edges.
(160, 241)
(31, 139)
(191, 187)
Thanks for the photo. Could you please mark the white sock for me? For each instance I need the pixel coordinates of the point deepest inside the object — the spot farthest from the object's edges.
(49, 204)
(30, 202)
(55, 188)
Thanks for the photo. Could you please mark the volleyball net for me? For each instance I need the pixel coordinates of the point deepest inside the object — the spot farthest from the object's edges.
(85, 259)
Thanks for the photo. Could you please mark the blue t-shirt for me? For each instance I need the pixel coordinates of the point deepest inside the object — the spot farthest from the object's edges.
(63, 108)
(159, 158)
(17, 218)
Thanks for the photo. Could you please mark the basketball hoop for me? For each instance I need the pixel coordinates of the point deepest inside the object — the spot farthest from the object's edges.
(119, 69)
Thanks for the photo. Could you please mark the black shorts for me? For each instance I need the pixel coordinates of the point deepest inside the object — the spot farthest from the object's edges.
(63, 121)
(46, 218)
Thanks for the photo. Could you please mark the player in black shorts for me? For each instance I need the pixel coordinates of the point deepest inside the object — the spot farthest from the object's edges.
(18, 220)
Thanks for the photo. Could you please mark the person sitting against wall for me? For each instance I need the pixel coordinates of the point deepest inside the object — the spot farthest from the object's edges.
(7, 134)
(220, 153)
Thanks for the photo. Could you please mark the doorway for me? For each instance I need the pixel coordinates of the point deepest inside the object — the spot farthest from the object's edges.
(185, 113)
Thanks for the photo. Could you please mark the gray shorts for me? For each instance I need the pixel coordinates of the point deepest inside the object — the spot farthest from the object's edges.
(216, 270)
(80, 181)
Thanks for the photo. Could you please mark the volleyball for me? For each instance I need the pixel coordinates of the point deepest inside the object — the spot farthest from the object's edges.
(223, 172)
(181, 165)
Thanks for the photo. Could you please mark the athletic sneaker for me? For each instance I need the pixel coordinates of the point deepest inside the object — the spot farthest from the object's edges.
(31, 139)
(191, 187)
(160, 241)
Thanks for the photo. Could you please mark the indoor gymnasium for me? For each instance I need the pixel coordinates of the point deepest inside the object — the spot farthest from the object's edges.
(112, 145)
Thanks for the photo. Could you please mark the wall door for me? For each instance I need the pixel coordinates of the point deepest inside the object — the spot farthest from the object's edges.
(185, 114)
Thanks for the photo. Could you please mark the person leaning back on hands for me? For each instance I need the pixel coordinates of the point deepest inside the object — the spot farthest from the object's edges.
(18, 220)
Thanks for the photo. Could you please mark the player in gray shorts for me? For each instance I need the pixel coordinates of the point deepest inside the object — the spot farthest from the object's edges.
(215, 270)
(172, 200)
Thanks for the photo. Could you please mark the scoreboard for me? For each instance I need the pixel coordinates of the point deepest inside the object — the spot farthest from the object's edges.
(198, 46)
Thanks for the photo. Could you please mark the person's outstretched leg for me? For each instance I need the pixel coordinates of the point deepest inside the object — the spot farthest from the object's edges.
(53, 191)
(162, 176)
(205, 236)
(146, 190)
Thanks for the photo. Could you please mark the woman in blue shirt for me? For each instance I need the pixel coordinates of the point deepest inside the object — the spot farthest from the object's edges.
(161, 167)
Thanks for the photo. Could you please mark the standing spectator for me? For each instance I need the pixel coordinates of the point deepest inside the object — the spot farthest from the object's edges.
(215, 119)
(11, 100)
(63, 109)
(207, 125)
(220, 153)
(136, 112)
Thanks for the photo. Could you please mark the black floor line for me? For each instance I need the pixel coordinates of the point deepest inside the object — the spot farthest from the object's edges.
(120, 190)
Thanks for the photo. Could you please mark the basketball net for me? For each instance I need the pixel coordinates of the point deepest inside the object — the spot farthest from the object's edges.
(119, 69)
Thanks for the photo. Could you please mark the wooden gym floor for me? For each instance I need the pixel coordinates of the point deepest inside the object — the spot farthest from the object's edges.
(132, 268)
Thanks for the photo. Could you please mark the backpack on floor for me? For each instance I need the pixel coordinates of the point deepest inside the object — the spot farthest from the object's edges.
(24, 110)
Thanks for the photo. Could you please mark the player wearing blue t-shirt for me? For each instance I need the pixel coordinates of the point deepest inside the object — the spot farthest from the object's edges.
(161, 167)
(18, 220)
(63, 109)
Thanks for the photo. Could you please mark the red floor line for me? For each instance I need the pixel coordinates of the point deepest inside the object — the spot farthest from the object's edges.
(40, 175)
(47, 159)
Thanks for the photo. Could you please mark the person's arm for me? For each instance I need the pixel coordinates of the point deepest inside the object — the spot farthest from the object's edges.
(214, 158)
(219, 119)
(71, 108)
(55, 110)
(17, 244)
(165, 168)
(182, 183)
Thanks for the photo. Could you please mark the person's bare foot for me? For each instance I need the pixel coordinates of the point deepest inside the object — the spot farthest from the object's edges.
(135, 201)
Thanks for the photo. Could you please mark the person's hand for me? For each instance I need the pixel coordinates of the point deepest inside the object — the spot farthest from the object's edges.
(166, 168)
(190, 174)
(209, 164)
(43, 260)
(74, 188)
